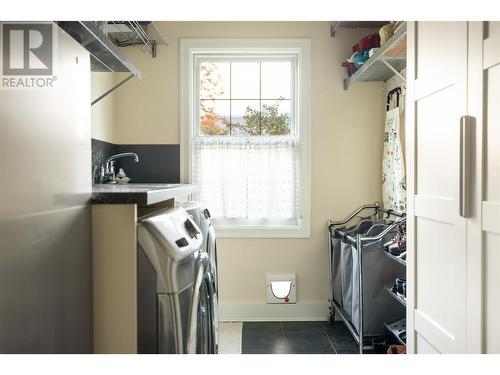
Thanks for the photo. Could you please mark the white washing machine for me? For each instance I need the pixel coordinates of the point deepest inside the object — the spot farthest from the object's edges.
(201, 215)
(176, 291)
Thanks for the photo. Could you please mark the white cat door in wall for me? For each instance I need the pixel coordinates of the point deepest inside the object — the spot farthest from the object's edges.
(281, 288)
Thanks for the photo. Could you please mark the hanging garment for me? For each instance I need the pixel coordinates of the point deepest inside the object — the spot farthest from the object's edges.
(393, 169)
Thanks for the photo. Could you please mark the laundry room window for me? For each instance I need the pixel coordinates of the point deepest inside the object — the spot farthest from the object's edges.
(245, 133)
(246, 96)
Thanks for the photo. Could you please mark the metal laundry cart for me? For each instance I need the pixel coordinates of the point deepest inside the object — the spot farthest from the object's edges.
(357, 257)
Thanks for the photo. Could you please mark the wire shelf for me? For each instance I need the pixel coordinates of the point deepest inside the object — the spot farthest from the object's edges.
(398, 330)
(355, 24)
(396, 297)
(105, 55)
(136, 33)
(395, 258)
(387, 61)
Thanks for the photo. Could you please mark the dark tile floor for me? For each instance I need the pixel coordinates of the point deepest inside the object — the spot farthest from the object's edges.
(297, 338)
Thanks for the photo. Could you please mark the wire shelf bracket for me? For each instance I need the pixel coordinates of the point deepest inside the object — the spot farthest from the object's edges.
(98, 99)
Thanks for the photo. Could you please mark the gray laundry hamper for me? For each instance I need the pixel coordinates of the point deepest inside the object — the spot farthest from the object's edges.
(379, 273)
(346, 266)
(346, 275)
(336, 275)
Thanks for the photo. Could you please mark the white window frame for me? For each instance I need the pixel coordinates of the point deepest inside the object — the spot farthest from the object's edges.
(301, 48)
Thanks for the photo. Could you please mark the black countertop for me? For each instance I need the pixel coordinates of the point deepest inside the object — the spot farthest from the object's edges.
(143, 194)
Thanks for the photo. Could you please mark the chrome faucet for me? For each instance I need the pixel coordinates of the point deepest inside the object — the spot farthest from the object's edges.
(122, 155)
(107, 169)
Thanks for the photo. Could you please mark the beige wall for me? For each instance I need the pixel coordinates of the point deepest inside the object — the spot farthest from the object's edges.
(103, 118)
(346, 147)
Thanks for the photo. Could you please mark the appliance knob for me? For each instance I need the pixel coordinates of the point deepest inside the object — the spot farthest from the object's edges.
(190, 228)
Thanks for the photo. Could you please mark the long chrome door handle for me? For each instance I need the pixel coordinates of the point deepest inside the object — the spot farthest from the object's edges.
(466, 133)
(200, 267)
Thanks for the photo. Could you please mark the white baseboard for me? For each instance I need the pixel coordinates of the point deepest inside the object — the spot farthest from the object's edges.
(258, 312)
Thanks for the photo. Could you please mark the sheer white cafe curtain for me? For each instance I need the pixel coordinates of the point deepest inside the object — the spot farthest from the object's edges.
(248, 180)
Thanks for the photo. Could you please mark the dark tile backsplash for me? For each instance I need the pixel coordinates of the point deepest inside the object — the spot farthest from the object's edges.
(104, 149)
(158, 163)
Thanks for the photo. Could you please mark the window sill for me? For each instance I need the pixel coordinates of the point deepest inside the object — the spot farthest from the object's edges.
(268, 231)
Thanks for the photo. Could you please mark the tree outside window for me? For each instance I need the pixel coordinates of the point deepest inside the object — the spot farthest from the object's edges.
(267, 116)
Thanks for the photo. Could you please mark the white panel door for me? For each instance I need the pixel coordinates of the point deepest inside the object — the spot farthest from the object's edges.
(437, 85)
(491, 190)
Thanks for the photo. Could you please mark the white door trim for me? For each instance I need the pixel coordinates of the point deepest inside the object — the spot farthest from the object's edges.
(410, 185)
(475, 100)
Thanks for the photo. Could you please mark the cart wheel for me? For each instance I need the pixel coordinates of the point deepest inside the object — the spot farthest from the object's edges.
(331, 318)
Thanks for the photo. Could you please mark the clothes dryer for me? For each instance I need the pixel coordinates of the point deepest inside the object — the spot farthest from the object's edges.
(201, 215)
(175, 288)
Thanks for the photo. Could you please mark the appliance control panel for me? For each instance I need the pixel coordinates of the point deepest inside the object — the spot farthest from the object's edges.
(176, 233)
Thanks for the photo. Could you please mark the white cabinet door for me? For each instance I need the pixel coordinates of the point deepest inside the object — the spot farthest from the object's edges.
(491, 191)
(437, 233)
